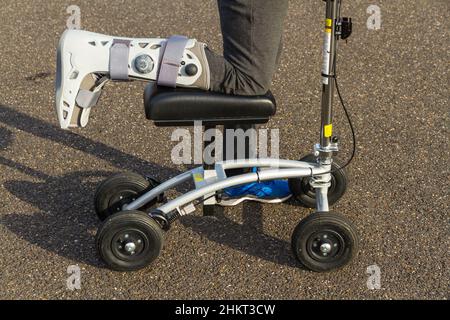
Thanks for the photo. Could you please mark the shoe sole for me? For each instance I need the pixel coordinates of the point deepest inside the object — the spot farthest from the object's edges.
(236, 201)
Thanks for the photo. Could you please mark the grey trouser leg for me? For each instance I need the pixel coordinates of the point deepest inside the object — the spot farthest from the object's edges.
(252, 36)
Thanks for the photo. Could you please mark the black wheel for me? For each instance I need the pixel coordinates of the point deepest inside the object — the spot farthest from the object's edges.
(306, 195)
(129, 241)
(119, 190)
(324, 241)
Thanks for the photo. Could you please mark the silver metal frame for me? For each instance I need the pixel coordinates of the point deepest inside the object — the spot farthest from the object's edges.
(269, 169)
(209, 182)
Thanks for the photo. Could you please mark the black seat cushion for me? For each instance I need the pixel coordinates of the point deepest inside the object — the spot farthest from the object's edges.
(181, 107)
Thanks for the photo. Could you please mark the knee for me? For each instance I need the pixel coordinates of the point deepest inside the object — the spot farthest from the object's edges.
(228, 78)
(249, 85)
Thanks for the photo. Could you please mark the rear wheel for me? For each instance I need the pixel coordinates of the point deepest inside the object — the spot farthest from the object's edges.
(118, 191)
(305, 194)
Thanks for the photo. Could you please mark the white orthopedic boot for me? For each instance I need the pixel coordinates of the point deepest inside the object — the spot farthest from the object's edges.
(86, 61)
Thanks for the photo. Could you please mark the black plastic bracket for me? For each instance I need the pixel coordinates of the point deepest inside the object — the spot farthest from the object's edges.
(154, 183)
(345, 28)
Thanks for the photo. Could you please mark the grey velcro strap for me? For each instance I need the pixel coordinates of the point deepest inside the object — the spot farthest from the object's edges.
(118, 59)
(87, 99)
(171, 59)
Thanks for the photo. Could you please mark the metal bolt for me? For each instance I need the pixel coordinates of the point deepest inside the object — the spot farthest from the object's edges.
(130, 247)
(325, 248)
(144, 64)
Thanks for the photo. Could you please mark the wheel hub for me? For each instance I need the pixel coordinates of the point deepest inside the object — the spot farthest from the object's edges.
(128, 244)
(325, 245)
(123, 198)
(130, 247)
(326, 248)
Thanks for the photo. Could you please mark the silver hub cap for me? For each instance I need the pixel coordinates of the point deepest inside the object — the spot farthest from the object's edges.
(325, 248)
(130, 247)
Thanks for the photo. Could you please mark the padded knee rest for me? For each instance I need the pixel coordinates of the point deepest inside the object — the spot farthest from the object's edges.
(181, 107)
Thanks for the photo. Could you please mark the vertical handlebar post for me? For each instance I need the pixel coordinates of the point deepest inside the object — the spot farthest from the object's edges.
(328, 78)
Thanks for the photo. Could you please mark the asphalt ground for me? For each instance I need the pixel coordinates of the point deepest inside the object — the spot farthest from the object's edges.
(395, 81)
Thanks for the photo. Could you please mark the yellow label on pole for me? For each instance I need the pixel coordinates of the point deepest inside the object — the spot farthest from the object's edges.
(328, 131)
(328, 25)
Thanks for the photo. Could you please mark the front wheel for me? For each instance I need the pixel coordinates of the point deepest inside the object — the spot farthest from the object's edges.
(129, 241)
(325, 241)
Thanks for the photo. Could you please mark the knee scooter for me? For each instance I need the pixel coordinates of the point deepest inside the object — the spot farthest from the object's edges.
(136, 214)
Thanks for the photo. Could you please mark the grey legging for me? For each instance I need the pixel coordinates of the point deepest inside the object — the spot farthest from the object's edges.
(252, 40)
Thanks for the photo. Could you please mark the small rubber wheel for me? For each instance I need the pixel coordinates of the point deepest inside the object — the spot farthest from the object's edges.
(129, 241)
(306, 195)
(324, 241)
(119, 190)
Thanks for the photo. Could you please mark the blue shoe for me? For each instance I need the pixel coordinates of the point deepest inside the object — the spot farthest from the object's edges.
(276, 191)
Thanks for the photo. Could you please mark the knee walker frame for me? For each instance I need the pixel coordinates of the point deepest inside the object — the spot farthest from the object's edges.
(131, 237)
(209, 182)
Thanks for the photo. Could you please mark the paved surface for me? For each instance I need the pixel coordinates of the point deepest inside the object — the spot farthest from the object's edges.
(395, 81)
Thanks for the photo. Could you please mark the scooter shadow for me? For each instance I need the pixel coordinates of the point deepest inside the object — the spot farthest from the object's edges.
(66, 223)
(43, 130)
(247, 236)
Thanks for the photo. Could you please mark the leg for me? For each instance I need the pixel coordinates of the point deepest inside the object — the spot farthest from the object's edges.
(252, 34)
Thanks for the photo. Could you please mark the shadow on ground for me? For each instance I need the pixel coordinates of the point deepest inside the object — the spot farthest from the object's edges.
(66, 224)
(248, 237)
